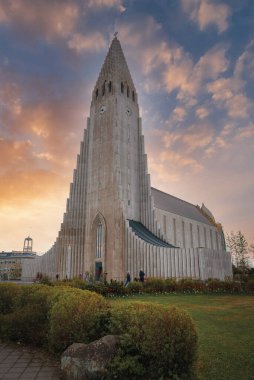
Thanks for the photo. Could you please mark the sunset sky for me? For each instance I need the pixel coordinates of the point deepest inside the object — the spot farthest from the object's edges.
(192, 62)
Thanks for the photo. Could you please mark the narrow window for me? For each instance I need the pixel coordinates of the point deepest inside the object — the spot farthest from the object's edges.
(211, 238)
(199, 244)
(133, 96)
(99, 233)
(183, 227)
(103, 89)
(110, 86)
(191, 235)
(205, 237)
(217, 241)
(122, 87)
(174, 227)
(97, 93)
(165, 224)
(128, 91)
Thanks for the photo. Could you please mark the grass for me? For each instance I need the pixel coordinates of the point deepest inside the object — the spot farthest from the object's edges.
(225, 325)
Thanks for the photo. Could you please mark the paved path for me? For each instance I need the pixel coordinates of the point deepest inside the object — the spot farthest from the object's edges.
(25, 363)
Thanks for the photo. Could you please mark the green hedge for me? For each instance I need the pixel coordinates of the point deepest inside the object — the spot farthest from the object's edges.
(79, 316)
(159, 285)
(27, 317)
(157, 342)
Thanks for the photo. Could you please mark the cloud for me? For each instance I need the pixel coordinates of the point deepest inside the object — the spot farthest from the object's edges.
(23, 187)
(51, 20)
(202, 112)
(179, 114)
(206, 13)
(228, 93)
(180, 160)
(92, 42)
(118, 4)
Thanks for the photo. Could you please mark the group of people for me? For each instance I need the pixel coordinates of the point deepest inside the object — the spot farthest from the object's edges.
(141, 277)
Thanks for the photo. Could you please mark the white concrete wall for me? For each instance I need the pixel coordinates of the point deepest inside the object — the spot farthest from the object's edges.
(173, 232)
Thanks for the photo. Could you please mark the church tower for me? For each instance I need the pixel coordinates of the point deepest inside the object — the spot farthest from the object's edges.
(110, 184)
(110, 224)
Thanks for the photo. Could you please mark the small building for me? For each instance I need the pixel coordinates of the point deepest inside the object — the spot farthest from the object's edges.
(11, 262)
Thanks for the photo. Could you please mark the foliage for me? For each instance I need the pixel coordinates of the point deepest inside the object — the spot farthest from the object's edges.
(157, 342)
(79, 316)
(27, 320)
(239, 249)
(135, 287)
(225, 331)
(8, 295)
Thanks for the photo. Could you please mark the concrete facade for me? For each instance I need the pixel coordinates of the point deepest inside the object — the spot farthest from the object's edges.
(111, 188)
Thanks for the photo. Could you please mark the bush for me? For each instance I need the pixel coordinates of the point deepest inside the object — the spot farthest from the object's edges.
(79, 316)
(28, 320)
(8, 295)
(157, 342)
(135, 287)
(154, 285)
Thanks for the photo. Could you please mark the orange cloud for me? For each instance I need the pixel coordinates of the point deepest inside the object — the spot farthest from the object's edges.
(49, 19)
(20, 187)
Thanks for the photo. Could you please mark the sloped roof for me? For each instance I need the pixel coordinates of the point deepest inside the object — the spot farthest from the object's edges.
(177, 206)
(143, 233)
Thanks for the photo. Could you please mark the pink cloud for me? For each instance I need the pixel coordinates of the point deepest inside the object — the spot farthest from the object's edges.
(118, 4)
(92, 42)
(49, 19)
(206, 13)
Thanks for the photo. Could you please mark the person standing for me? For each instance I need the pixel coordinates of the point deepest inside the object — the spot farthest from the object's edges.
(128, 279)
(141, 275)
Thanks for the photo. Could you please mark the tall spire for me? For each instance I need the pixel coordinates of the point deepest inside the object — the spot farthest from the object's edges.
(115, 66)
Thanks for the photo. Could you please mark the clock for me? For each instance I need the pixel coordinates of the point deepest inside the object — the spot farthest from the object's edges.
(102, 109)
(128, 111)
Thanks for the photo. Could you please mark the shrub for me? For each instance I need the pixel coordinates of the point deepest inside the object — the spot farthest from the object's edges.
(157, 342)
(28, 321)
(170, 285)
(79, 316)
(154, 285)
(8, 295)
(135, 287)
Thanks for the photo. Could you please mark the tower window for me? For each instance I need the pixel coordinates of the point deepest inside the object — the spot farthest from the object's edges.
(97, 93)
(128, 91)
(133, 96)
(122, 87)
(103, 88)
(110, 86)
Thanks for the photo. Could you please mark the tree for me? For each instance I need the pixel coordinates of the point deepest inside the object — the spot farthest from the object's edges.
(239, 249)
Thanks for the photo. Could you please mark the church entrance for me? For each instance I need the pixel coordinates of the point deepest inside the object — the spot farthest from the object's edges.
(98, 270)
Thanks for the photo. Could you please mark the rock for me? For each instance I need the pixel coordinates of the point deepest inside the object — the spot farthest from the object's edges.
(88, 361)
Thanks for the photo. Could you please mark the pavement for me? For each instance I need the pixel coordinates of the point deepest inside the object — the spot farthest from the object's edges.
(25, 363)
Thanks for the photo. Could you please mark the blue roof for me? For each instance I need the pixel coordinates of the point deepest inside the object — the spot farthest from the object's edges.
(143, 233)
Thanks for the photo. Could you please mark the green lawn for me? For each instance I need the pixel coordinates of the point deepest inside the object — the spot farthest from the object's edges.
(225, 326)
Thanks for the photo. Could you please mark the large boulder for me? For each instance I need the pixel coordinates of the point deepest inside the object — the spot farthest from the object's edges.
(88, 361)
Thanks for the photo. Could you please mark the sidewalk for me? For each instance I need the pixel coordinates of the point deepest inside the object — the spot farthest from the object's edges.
(25, 363)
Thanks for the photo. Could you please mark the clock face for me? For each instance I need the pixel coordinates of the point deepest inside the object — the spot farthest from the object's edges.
(128, 111)
(102, 109)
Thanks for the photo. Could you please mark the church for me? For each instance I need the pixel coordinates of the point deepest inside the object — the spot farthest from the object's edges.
(115, 222)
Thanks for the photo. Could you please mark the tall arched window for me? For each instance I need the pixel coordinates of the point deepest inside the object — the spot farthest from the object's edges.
(99, 240)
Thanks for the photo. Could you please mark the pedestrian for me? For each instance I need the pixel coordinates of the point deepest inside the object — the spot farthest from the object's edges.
(128, 279)
(141, 275)
(57, 277)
